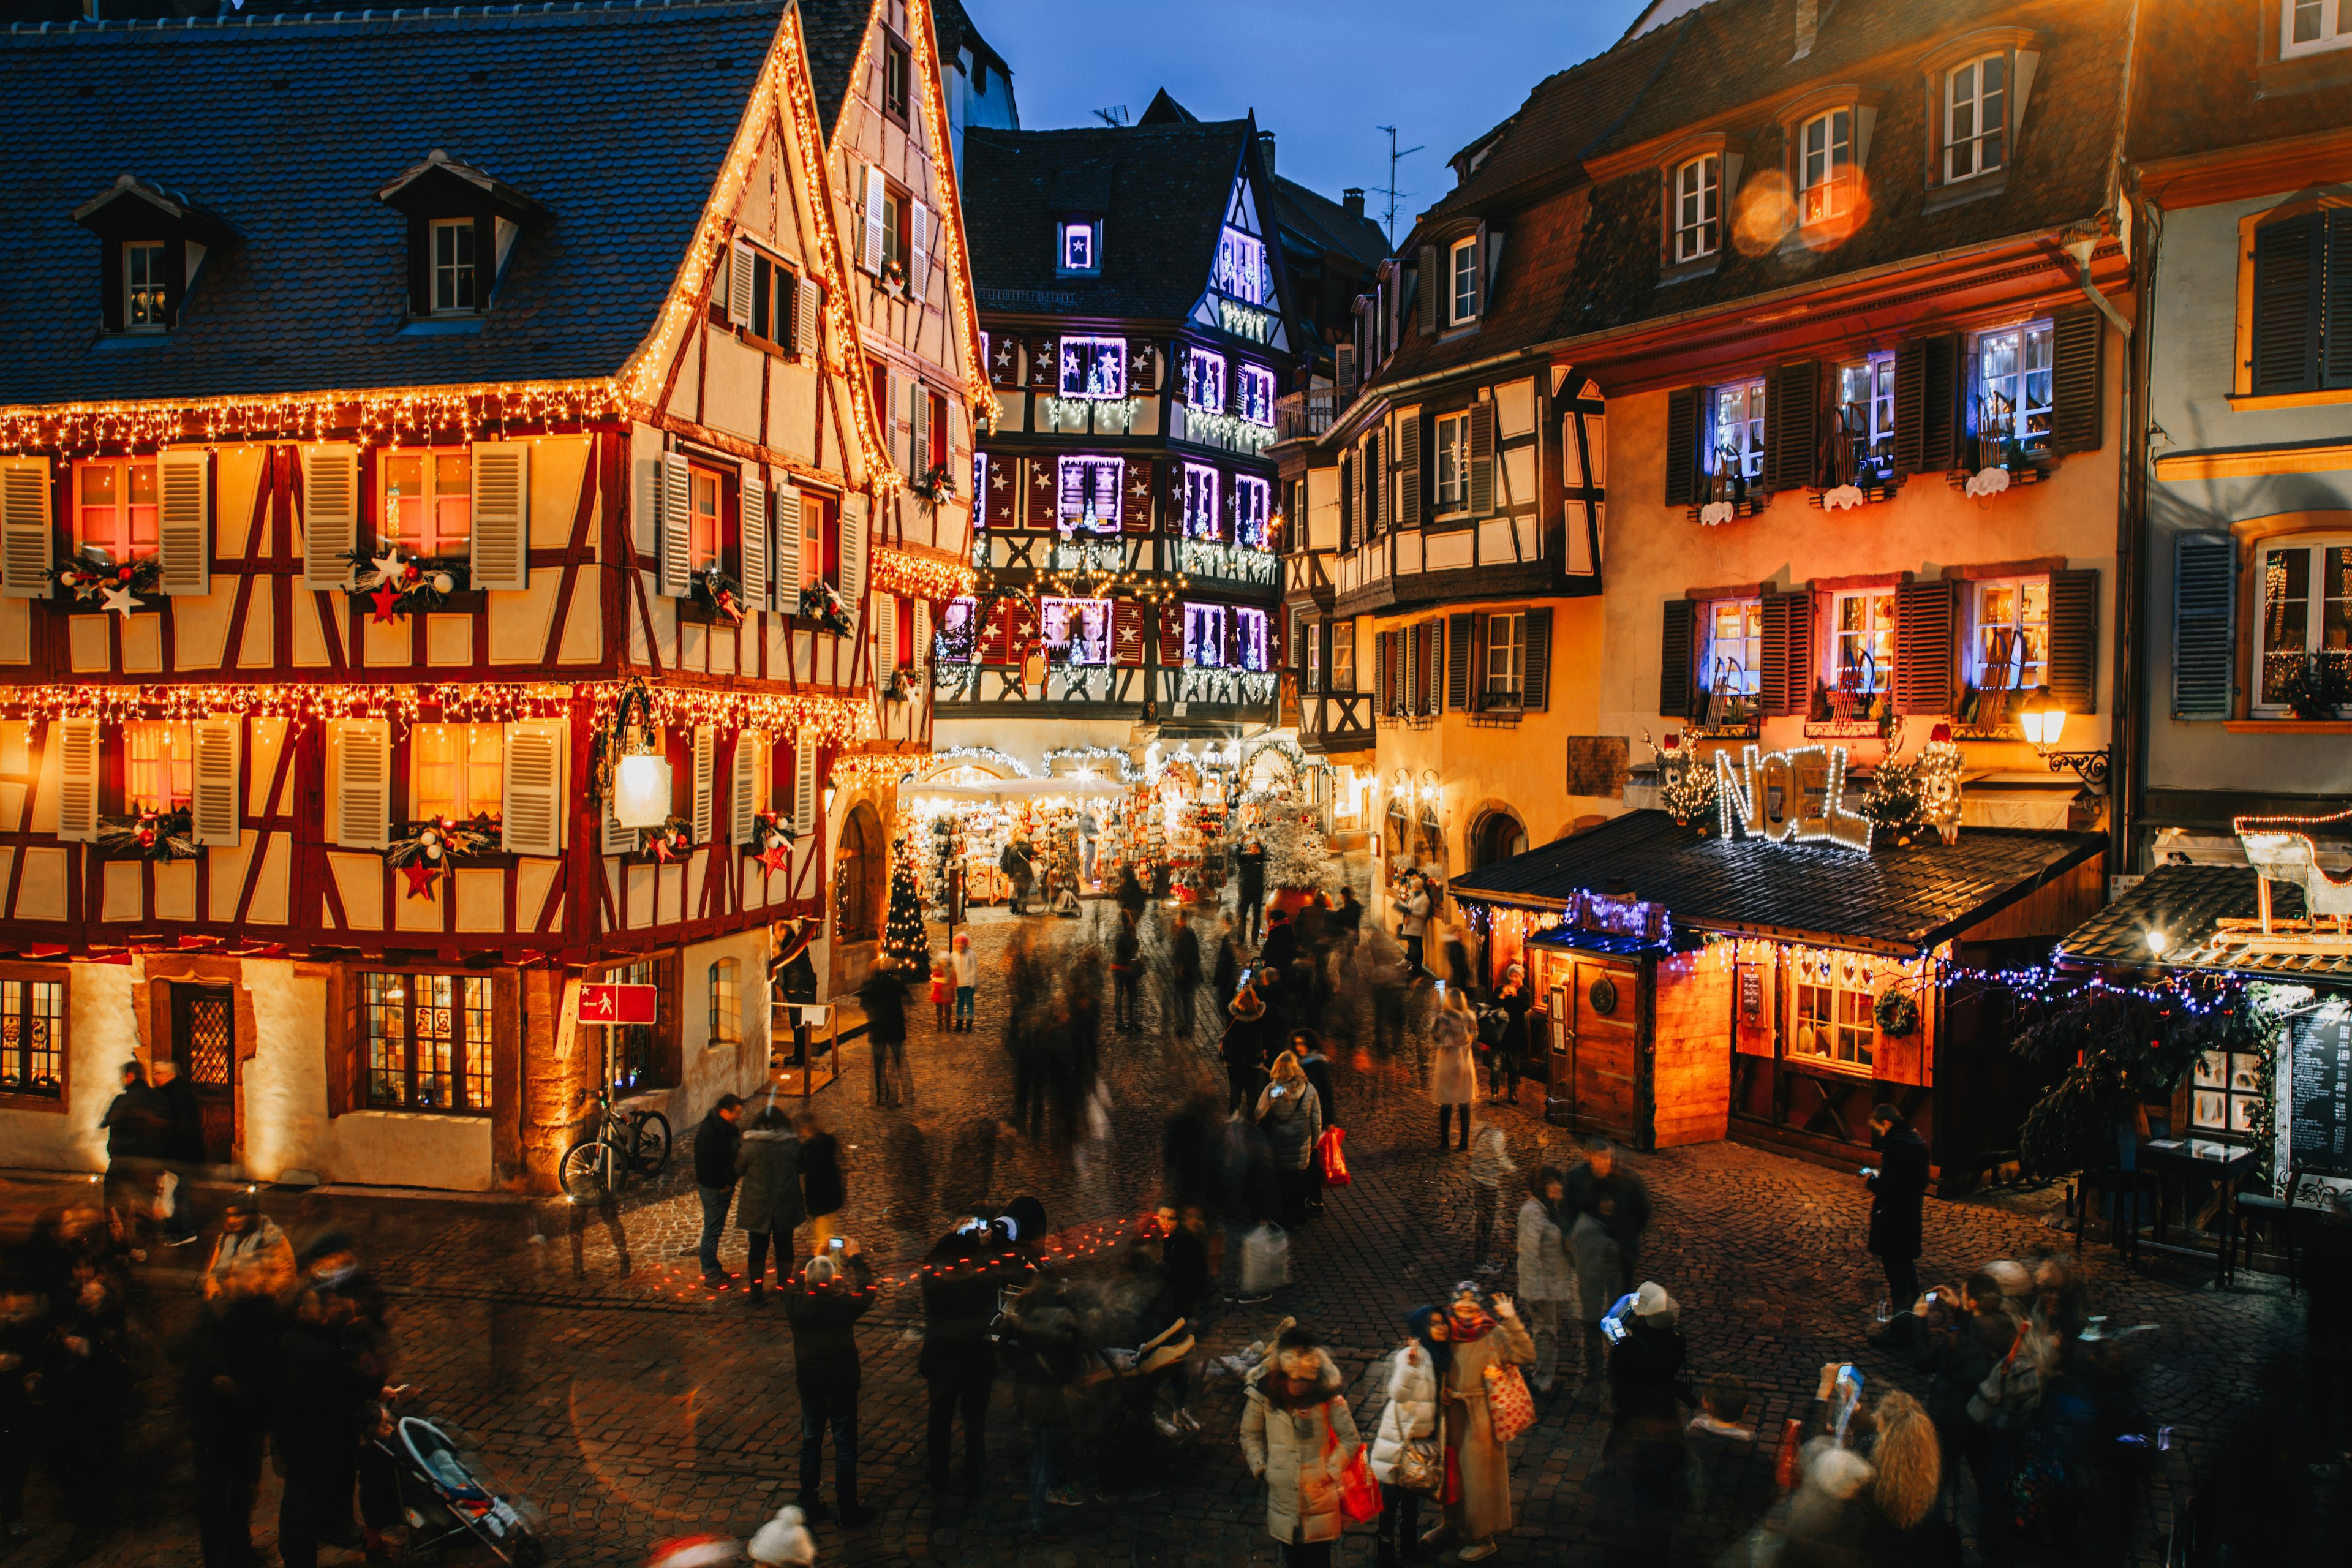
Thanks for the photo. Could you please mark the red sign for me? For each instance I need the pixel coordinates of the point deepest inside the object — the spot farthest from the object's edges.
(617, 1003)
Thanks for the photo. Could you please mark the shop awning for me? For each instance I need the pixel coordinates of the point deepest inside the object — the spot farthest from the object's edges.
(2185, 905)
(1900, 901)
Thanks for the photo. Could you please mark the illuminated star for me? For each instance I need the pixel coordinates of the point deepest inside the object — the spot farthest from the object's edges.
(385, 599)
(387, 568)
(119, 599)
(420, 879)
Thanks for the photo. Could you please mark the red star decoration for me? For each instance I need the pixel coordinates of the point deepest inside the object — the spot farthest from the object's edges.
(775, 857)
(384, 599)
(661, 848)
(420, 879)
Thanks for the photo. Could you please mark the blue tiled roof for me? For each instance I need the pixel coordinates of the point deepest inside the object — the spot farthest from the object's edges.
(615, 117)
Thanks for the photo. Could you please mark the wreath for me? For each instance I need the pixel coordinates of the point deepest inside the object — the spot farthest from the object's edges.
(95, 576)
(718, 593)
(822, 604)
(156, 835)
(392, 586)
(1897, 1015)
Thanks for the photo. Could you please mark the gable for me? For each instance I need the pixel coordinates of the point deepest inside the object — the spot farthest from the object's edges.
(1226, 302)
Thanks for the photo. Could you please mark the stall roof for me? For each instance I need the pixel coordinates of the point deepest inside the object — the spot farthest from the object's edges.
(2188, 903)
(1903, 900)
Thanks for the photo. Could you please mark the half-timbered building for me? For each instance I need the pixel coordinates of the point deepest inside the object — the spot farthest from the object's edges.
(349, 483)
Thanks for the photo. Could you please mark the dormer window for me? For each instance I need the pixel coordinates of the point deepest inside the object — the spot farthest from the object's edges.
(1080, 247)
(1696, 175)
(463, 223)
(1825, 167)
(898, 77)
(155, 242)
(1462, 274)
(146, 295)
(1698, 205)
(1240, 267)
(453, 266)
(1975, 118)
(1977, 86)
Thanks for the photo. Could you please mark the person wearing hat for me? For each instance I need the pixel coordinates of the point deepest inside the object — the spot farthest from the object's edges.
(1481, 1340)
(1409, 1418)
(1298, 1436)
(783, 1542)
(835, 1290)
(1643, 1452)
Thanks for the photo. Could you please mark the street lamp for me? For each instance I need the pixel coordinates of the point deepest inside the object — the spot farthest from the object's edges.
(2043, 719)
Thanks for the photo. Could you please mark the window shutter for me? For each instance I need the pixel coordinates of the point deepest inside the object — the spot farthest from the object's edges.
(741, 274)
(804, 782)
(995, 642)
(852, 557)
(1682, 446)
(706, 741)
(1457, 663)
(532, 821)
(919, 431)
(1380, 671)
(808, 314)
(2204, 625)
(1538, 661)
(364, 783)
(886, 637)
(77, 743)
(784, 504)
(677, 571)
(877, 197)
(215, 803)
(331, 515)
(24, 537)
(2074, 640)
(1786, 685)
(1172, 636)
(2335, 367)
(2078, 339)
(752, 534)
(1375, 509)
(743, 789)
(1791, 440)
(618, 840)
(1409, 508)
(2288, 302)
(1678, 654)
(1926, 405)
(1125, 632)
(1432, 668)
(1477, 275)
(1481, 458)
(1044, 363)
(1431, 286)
(1927, 633)
(501, 545)
(183, 535)
(1142, 365)
(918, 265)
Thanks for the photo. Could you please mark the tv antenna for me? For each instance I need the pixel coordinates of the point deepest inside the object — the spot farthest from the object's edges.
(1396, 155)
(1115, 115)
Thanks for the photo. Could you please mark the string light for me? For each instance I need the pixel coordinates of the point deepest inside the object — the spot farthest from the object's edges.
(895, 570)
(386, 416)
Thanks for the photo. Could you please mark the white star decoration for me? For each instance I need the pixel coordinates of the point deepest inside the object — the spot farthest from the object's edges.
(387, 569)
(119, 599)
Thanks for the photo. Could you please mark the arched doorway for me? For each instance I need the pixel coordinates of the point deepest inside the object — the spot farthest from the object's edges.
(861, 877)
(1498, 836)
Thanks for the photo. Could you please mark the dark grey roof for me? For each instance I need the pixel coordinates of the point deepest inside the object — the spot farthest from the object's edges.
(616, 119)
(1164, 187)
(1329, 225)
(834, 30)
(951, 28)
(2188, 903)
(1906, 899)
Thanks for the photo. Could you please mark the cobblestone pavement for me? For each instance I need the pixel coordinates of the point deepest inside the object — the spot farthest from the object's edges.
(580, 1350)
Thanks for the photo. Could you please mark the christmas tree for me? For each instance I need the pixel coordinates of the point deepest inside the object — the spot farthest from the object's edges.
(1296, 853)
(903, 935)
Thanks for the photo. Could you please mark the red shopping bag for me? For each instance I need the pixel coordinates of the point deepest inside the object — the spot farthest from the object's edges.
(1333, 1158)
(1510, 1408)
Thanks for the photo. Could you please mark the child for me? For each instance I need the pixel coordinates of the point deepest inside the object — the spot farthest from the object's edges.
(940, 992)
(1489, 1168)
(964, 969)
(1718, 1444)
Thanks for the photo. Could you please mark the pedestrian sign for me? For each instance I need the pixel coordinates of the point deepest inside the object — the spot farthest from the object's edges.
(617, 1003)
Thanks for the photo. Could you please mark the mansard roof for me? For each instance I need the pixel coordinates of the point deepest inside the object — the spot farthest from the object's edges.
(2204, 87)
(615, 120)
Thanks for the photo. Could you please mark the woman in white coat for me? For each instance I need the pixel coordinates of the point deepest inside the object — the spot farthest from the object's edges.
(1454, 1075)
(1415, 1372)
(1298, 1436)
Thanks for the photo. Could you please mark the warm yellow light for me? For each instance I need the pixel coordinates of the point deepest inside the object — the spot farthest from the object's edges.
(2042, 718)
(640, 792)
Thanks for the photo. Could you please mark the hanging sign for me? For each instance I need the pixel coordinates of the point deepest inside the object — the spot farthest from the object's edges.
(1765, 799)
(617, 1003)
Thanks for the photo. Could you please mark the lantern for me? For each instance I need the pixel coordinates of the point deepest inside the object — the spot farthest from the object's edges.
(641, 791)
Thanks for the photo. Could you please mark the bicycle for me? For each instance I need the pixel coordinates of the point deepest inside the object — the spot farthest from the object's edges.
(630, 1138)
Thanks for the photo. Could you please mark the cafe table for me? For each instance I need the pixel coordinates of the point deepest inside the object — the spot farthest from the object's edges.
(2204, 1159)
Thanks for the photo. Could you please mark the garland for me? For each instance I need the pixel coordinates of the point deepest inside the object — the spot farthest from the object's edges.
(99, 578)
(1127, 772)
(718, 593)
(774, 833)
(938, 487)
(821, 603)
(422, 850)
(158, 835)
(393, 586)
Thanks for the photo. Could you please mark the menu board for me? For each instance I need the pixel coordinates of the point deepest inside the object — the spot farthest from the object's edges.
(2320, 1133)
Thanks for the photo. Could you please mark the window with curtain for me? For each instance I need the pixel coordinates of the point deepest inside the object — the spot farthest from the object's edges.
(1864, 641)
(1836, 1013)
(1739, 445)
(457, 770)
(2014, 383)
(1734, 646)
(1076, 629)
(33, 1038)
(2010, 647)
(115, 503)
(1204, 380)
(1203, 519)
(159, 764)
(1204, 636)
(1091, 494)
(2304, 635)
(427, 1042)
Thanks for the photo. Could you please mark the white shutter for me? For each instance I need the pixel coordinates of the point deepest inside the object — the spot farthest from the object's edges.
(705, 740)
(808, 312)
(804, 782)
(919, 430)
(753, 537)
(676, 574)
(922, 639)
(77, 742)
(876, 196)
(618, 840)
(787, 508)
(853, 559)
(886, 637)
(362, 765)
(740, 277)
(918, 265)
(216, 801)
(502, 515)
(331, 514)
(24, 540)
(894, 423)
(743, 789)
(183, 535)
(532, 820)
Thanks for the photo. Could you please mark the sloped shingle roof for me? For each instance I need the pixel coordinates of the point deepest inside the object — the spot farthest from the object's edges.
(2188, 903)
(835, 30)
(2199, 89)
(617, 120)
(1329, 225)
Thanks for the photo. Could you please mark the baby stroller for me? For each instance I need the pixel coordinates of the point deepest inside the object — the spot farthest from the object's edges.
(444, 1500)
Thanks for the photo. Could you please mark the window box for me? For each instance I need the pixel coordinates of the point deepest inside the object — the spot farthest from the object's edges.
(822, 603)
(158, 835)
(93, 583)
(1872, 490)
(1743, 501)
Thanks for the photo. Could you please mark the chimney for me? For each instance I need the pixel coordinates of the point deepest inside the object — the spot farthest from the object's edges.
(1353, 198)
(1266, 152)
(1809, 16)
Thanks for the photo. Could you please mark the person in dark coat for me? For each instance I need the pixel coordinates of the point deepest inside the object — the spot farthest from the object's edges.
(835, 1290)
(1131, 895)
(1045, 1351)
(962, 1281)
(1249, 886)
(1898, 1191)
(137, 1122)
(1126, 971)
(768, 1196)
(1183, 973)
(883, 997)
(1511, 1050)
(322, 1390)
(1603, 1175)
(1644, 1454)
(823, 1188)
(716, 1143)
(1965, 1334)
(1308, 1045)
(184, 1145)
(1227, 976)
(1278, 955)
(1018, 863)
(792, 977)
(228, 1362)
(1244, 1049)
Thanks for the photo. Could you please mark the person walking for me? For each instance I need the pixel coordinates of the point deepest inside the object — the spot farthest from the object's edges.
(1490, 1167)
(1132, 898)
(1019, 870)
(1511, 1050)
(961, 1282)
(1249, 884)
(1243, 1050)
(823, 1188)
(1605, 1176)
(1546, 1278)
(1126, 971)
(768, 1202)
(1291, 1113)
(252, 1257)
(1454, 1075)
(963, 970)
(183, 1149)
(1409, 1421)
(1600, 1264)
(1411, 905)
(1898, 1192)
(136, 1122)
(1227, 976)
(230, 1357)
(835, 1290)
(1482, 1340)
(1044, 1353)
(1183, 973)
(883, 997)
(1298, 1438)
(716, 1143)
(791, 978)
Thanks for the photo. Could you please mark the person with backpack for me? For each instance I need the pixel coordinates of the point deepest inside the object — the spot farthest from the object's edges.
(1298, 1436)
(767, 1197)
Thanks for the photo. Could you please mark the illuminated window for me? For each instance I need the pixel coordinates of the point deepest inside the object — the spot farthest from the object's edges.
(159, 764)
(453, 264)
(1825, 166)
(2014, 383)
(1092, 490)
(1698, 195)
(1865, 640)
(145, 287)
(1738, 447)
(1837, 1016)
(32, 1037)
(1240, 267)
(2308, 27)
(1253, 502)
(1256, 386)
(1343, 656)
(114, 507)
(703, 533)
(2227, 1095)
(1204, 636)
(1204, 380)
(2305, 634)
(1974, 117)
(725, 1002)
(1094, 367)
(2013, 634)
(457, 770)
(1250, 635)
(429, 500)
(426, 1039)
(1866, 403)
(1081, 245)
(1203, 519)
(958, 639)
(1078, 630)
(1734, 646)
(1453, 461)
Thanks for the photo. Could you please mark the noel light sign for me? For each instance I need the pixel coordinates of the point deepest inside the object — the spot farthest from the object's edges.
(1765, 798)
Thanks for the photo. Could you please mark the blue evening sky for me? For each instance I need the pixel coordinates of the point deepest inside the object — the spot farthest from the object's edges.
(1320, 73)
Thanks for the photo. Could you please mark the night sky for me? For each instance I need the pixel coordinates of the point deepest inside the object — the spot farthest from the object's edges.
(1320, 73)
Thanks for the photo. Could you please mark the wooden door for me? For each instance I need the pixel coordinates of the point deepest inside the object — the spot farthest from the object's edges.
(1603, 1041)
(204, 1043)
